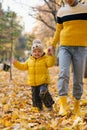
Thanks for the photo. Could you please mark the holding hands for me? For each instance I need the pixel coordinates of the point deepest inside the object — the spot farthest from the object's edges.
(51, 50)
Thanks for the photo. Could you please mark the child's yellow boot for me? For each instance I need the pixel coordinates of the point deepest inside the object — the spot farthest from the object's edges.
(76, 107)
(63, 105)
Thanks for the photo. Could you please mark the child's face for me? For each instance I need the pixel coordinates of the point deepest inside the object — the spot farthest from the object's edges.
(37, 53)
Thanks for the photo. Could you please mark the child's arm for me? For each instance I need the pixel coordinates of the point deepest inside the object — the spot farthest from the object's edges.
(19, 65)
(50, 60)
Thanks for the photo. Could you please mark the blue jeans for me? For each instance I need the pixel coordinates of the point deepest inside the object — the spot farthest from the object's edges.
(76, 56)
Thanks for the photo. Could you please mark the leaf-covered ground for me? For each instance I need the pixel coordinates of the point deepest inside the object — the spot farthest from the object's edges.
(17, 113)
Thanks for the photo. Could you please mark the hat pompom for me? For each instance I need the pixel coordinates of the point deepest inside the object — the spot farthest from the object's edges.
(37, 41)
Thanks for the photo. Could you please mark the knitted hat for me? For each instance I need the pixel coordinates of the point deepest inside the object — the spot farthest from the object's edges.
(36, 44)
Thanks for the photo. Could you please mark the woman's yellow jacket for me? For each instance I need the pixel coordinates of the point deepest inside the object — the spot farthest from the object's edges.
(37, 69)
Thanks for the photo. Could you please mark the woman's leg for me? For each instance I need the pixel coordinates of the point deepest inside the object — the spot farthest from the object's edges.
(64, 64)
(63, 80)
(78, 62)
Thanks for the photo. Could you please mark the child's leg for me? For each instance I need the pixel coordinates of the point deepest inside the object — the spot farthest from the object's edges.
(36, 99)
(46, 96)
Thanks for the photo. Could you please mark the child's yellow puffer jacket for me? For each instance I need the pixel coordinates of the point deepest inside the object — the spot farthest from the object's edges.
(37, 69)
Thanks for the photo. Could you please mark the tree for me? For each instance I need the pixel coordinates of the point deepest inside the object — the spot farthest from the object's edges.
(45, 12)
(10, 30)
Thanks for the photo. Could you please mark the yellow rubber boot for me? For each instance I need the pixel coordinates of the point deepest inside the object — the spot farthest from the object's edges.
(63, 105)
(76, 107)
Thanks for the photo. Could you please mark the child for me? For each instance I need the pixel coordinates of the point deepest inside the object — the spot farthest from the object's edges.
(38, 75)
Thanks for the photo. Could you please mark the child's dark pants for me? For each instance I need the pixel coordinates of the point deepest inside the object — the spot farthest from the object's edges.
(40, 95)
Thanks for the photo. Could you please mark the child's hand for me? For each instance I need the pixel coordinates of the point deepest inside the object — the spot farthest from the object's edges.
(13, 60)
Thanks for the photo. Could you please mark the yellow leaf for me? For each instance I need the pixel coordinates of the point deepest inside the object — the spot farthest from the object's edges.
(34, 109)
(1, 120)
(84, 102)
(48, 126)
(4, 100)
(6, 106)
(67, 128)
(14, 116)
(7, 123)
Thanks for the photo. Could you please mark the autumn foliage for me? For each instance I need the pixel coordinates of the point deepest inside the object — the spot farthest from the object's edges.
(17, 113)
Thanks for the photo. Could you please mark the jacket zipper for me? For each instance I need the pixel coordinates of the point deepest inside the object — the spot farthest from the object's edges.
(35, 72)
